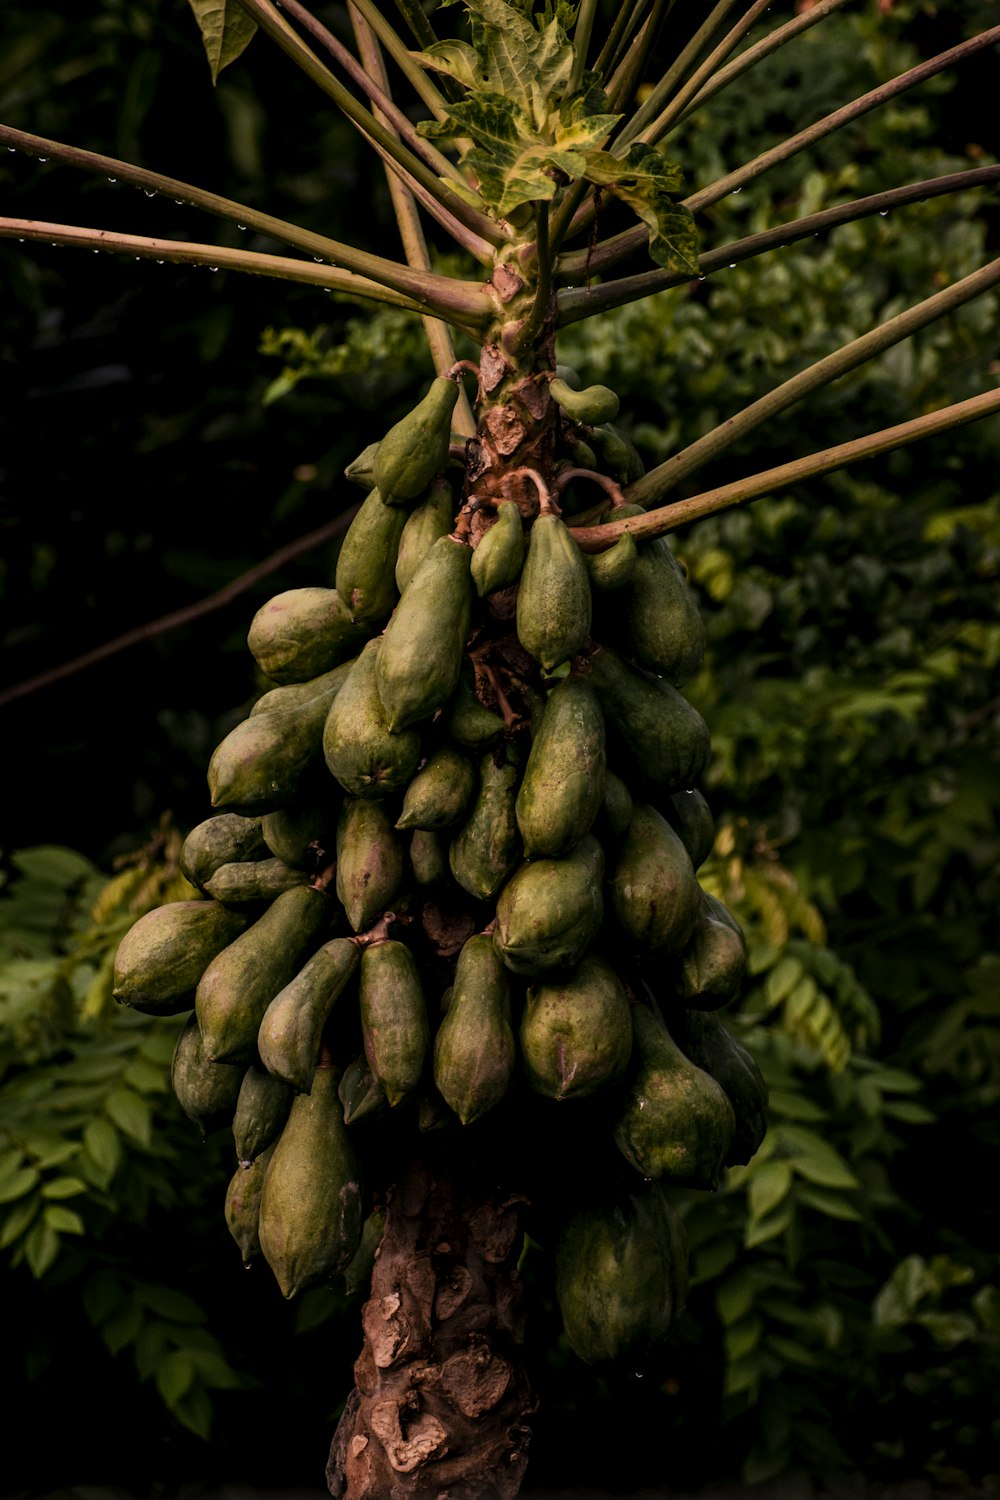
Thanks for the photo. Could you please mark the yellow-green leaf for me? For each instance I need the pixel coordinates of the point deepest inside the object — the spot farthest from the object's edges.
(226, 30)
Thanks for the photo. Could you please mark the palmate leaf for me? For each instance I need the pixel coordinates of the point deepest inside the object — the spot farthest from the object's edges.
(226, 29)
(513, 163)
(646, 180)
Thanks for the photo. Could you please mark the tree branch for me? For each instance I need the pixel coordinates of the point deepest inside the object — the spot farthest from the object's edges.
(612, 250)
(627, 18)
(798, 471)
(659, 481)
(684, 60)
(585, 302)
(454, 304)
(271, 22)
(398, 51)
(389, 272)
(410, 230)
(185, 616)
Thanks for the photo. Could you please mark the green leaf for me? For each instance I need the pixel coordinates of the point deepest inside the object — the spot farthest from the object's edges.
(195, 1411)
(791, 1351)
(735, 1297)
(101, 1295)
(759, 1231)
(168, 1303)
(782, 979)
(646, 180)
(743, 1337)
(710, 1260)
(103, 1146)
(897, 1301)
(174, 1377)
(64, 1220)
(768, 1186)
(742, 1375)
(15, 1187)
(123, 1327)
(132, 1114)
(17, 1220)
(226, 29)
(827, 1169)
(830, 1204)
(908, 1112)
(794, 1106)
(948, 1329)
(64, 1187)
(146, 1077)
(41, 1248)
(52, 862)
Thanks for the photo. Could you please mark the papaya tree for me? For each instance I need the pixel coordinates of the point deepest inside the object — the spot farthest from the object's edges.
(454, 984)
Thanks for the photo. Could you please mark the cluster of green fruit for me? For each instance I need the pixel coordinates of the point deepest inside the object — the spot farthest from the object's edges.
(479, 819)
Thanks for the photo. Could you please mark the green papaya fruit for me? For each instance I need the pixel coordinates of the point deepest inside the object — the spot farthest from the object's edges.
(222, 840)
(426, 524)
(474, 1046)
(418, 666)
(569, 377)
(619, 453)
(393, 1018)
(206, 1091)
(261, 1111)
(361, 470)
(310, 1207)
(238, 986)
(652, 887)
(413, 451)
(439, 793)
(615, 568)
(499, 557)
(690, 815)
(301, 833)
(243, 1205)
(292, 1026)
(563, 784)
(675, 1122)
(262, 763)
(553, 600)
(653, 725)
(303, 632)
(358, 1275)
(550, 911)
(360, 749)
(369, 861)
(162, 956)
(582, 455)
(617, 808)
(711, 967)
(366, 566)
(296, 694)
(252, 880)
(467, 721)
(706, 1040)
(658, 623)
(621, 1276)
(360, 1092)
(576, 1032)
(487, 847)
(591, 405)
(428, 857)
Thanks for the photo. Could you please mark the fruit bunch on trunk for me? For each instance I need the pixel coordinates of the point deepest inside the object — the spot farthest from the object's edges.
(452, 874)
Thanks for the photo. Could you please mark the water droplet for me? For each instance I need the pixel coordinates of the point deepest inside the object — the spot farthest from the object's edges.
(883, 213)
(737, 190)
(638, 1374)
(21, 240)
(12, 148)
(239, 226)
(112, 179)
(178, 200)
(150, 192)
(703, 277)
(138, 257)
(215, 268)
(161, 262)
(318, 259)
(43, 158)
(732, 265)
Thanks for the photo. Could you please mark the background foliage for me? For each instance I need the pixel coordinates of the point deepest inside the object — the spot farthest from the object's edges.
(845, 1316)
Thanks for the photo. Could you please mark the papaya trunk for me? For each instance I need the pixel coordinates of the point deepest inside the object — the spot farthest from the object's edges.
(441, 1397)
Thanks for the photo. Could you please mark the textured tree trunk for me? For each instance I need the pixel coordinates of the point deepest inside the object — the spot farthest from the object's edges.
(441, 1396)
